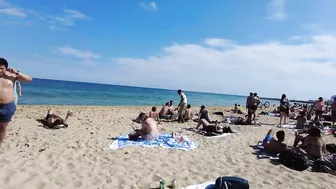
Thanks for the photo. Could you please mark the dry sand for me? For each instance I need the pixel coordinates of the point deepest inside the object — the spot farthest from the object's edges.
(33, 157)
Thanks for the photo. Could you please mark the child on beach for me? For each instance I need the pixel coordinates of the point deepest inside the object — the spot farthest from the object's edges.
(155, 115)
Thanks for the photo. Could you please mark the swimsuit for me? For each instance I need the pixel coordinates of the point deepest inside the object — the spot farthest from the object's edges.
(7, 111)
(268, 138)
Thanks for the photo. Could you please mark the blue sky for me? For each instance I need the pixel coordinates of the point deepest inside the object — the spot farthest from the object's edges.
(225, 46)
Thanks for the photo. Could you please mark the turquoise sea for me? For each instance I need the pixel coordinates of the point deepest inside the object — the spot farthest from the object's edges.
(55, 92)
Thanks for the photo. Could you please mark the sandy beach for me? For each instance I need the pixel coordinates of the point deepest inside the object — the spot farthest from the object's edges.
(33, 157)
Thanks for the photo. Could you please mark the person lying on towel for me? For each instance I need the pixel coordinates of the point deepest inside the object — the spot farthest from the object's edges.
(148, 129)
(272, 145)
(215, 128)
(52, 119)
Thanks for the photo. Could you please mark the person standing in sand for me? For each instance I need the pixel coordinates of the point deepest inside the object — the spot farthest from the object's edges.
(284, 108)
(8, 76)
(182, 105)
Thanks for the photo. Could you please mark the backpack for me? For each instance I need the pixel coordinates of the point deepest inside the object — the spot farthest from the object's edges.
(294, 160)
(331, 148)
(231, 183)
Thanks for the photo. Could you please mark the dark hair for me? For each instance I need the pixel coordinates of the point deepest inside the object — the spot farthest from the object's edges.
(283, 96)
(3, 62)
(251, 94)
(280, 135)
(167, 103)
(142, 115)
(188, 106)
(255, 94)
(153, 109)
(235, 104)
(179, 91)
(314, 132)
(202, 107)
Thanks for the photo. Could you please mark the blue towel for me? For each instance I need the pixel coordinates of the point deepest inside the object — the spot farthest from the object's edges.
(164, 140)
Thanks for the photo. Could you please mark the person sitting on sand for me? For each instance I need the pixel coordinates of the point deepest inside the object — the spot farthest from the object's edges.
(170, 110)
(301, 120)
(187, 113)
(52, 120)
(163, 114)
(155, 115)
(275, 146)
(235, 109)
(203, 114)
(313, 143)
(148, 129)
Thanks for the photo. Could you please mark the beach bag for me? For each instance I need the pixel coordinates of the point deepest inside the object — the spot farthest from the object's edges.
(231, 183)
(331, 148)
(294, 160)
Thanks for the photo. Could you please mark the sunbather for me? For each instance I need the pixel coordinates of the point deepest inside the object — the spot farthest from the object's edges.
(216, 128)
(187, 115)
(272, 145)
(313, 143)
(301, 120)
(153, 114)
(148, 129)
(52, 120)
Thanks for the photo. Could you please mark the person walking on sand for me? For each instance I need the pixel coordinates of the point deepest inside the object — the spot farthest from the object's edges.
(284, 108)
(182, 105)
(17, 89)
(8, 76)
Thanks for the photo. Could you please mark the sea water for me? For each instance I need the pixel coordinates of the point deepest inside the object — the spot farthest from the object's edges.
(55, 92)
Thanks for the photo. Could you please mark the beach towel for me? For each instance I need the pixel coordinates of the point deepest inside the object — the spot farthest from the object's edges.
(164, 140)
(206, 185)
(273, 115)
(192, 129)
(288, 126)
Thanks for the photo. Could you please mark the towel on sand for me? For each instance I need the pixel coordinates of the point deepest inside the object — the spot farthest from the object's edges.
(206, 185)
(192, 129)
(288, 126)
(164, 141)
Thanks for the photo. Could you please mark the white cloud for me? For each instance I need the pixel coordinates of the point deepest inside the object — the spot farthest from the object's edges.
(275, 10)
(69, 51)
(68, 17)
(216, 42)
(148, 6)
(13, 12)
(303, 70)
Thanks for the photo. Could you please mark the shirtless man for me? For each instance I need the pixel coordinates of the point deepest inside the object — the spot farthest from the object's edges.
(163, 112)
(272, 145)
(8, 76)
(148, 129)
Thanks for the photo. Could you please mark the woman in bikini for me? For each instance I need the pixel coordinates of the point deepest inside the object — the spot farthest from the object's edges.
(313, 143)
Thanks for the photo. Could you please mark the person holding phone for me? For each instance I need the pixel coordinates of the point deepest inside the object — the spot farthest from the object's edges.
(8, 77)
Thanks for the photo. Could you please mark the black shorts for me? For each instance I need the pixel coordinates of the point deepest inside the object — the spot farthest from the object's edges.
(254, 107)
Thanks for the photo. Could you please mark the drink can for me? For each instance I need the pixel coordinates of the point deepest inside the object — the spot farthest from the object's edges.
(162, 184)
(174, 184)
